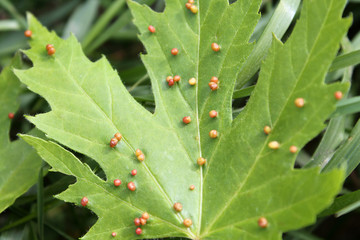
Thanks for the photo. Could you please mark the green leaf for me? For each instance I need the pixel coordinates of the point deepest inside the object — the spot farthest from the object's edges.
(343, 204)
(243, 179)
(278, 24)
(80, 21)
(347, 154)
(19, 163)
(346, 60)
(347, 106)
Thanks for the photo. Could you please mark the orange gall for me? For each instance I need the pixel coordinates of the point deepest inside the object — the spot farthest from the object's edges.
(213, 114)
(151, 29)
(192, 81)
(215, 47)
(213, 134)
(194, 9)
(274, 145)
(118, 136)
(178, 207)
(214, 80)
(293, 149)
(177, 78)
(174, 51)
(186, 119)
(28, 33)
(267, 129)
(138, 152)
(299, 102)
(338, 95)
(201, 161)
(145, 216)
(187, 222)
(262, 222)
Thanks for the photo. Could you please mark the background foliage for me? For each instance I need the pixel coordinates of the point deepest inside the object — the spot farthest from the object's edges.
(27, 218)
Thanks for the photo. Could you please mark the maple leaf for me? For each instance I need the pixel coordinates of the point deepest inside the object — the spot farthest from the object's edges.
(248, 174)
(19, 163)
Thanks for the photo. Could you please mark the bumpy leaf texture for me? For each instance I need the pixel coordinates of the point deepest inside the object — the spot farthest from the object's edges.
(19, 163)
(243, 178)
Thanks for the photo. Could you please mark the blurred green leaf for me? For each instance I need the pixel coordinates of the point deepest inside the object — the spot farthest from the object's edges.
(347, 106)
(13, 11)
(245, 92)
(346, 60)
(9, 25)
(343, 205)
(348, 154)
(80, 21)
(102, 22)
(19, 163)
(278, 24)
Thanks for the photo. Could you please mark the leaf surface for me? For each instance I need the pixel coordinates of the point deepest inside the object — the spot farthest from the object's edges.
(243, 179)
(19, 163)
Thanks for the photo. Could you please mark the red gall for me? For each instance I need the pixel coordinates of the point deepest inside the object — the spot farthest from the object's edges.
(213, 86)
(215, 47)
(152, 29)
(133, 172)
(11, 115)
(213, 114)
(138, 231)
(171, 82)
(338, 95)
(213, 134)
(174, 51)
(262, 222)
(117, 182)
(28, 33)
(113, 142)
(186, 119)
(48, 46)
(131, 186)
(137, 221)
(84, 201)
(51, 51)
